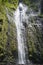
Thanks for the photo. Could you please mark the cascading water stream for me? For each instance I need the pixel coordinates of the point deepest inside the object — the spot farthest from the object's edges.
(19, 19)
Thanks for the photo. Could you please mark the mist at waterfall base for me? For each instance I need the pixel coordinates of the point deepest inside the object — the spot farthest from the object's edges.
(21, 19)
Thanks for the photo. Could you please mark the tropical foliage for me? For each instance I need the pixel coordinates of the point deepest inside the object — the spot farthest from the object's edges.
(8, 38)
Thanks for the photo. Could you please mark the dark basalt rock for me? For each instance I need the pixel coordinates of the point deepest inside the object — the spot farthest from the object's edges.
(1, 21)
(0, 29)
(25, 25)
(20, 1)
(20, 8)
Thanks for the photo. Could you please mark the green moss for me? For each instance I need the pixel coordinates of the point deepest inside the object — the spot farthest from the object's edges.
(10, 4)
(40, 15)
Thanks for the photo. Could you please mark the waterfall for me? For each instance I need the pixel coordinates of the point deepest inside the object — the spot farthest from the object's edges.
(21, 33)
(21, 17)
(21, 20)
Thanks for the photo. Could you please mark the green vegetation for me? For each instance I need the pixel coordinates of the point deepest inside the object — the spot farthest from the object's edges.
(40, 15)
(34, 4)
(7, 50)
(8, 42)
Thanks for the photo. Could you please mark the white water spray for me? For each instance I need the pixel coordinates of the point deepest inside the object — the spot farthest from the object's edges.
(21, 19)
(21, 32)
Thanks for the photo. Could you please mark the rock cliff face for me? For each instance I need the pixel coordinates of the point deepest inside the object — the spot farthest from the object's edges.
(35, 33)
(8, 38)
